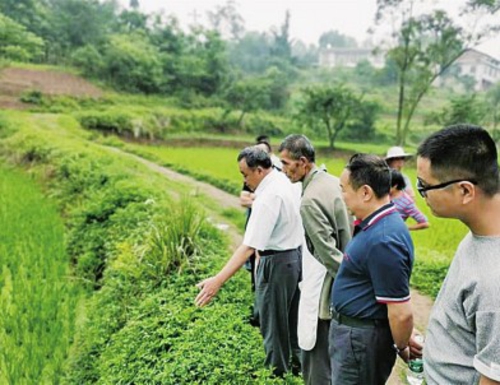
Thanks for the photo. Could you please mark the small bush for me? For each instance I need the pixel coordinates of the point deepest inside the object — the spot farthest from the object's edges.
(110, 122)
(32, 97)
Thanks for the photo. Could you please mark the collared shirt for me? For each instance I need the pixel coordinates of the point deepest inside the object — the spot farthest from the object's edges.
(376, 268)
(275, 222)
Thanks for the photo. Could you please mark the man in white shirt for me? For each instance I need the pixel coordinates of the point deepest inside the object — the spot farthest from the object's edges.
(275, 230)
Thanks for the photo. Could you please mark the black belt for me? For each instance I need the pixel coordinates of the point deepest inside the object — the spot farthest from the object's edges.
(357, 322)
(264, 253)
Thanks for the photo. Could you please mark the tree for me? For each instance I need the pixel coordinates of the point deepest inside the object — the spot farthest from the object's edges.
(491, 6)
(227, 21)
(362, 128)
(252, 53)
(493, 99)
(426, 46)
(247, 95)
(329, 108)
(16, 43)
(131, 63)
(336, 39)
(462, 109)
(304, 56)
(77, 23)
(32, 14)
(282, 45)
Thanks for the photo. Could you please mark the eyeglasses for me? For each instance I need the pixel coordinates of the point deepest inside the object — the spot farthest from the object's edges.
(422, 190)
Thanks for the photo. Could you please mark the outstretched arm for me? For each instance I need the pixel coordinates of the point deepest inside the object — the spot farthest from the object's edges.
(210, 286)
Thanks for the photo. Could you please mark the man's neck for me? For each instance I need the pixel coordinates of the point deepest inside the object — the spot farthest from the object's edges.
(482, 220)
(373, 206)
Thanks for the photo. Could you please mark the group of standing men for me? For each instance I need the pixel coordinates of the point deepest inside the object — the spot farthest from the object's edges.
(352, 312)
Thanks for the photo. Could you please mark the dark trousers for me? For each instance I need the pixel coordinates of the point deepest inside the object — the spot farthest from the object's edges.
(277, 298)
(361, 355)
(316, 362)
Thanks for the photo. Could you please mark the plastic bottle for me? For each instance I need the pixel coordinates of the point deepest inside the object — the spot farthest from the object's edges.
(415, 370)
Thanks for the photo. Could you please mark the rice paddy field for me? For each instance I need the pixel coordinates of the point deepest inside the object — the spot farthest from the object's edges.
(434, 247)
(38, 300)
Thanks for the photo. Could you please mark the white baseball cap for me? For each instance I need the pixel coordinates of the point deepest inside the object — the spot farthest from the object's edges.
(397, 152)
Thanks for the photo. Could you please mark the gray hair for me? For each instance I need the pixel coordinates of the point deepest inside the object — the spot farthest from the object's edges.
(255, 157)
(298, 146)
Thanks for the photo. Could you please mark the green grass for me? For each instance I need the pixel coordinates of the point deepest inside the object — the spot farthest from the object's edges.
(38, 299)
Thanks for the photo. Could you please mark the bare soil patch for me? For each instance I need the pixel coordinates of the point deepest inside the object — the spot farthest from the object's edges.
(15, 81)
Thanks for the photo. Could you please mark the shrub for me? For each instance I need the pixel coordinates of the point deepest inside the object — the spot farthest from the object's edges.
(111, 122)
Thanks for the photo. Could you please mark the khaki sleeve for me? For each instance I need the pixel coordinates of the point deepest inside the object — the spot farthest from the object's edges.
(322, 235)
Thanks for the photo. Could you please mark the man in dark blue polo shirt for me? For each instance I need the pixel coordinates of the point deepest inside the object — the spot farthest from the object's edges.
(372, 316)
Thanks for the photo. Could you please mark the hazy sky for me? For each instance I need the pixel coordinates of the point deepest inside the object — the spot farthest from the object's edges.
(309, 18)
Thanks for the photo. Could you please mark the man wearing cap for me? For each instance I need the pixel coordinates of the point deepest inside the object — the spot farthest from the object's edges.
(396, 158)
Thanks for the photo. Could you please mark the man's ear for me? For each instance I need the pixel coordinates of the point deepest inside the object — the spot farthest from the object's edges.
(367, 192)
(468, 191)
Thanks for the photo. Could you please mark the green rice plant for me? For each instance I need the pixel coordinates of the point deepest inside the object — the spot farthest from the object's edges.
(38, 299)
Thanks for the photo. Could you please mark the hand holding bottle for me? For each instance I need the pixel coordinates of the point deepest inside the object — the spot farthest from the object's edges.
(416, 344)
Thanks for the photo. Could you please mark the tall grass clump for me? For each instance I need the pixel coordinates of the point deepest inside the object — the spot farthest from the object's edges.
(174, 244)
(38, 297)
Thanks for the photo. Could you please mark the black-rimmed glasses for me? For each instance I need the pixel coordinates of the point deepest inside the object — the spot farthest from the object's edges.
(422, 190)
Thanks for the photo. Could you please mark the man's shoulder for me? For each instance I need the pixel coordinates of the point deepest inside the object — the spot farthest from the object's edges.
(390, 228)
(322, 183)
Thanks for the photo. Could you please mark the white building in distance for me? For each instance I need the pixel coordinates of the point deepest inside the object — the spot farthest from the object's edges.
(349, 57)
(483, 68)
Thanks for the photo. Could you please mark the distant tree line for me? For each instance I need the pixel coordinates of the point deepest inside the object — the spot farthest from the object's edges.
(227, 66)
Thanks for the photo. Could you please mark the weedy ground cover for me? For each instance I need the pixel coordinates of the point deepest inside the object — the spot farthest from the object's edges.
(38, 296)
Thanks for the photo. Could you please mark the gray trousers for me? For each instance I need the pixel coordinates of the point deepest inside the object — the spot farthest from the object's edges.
(277, 298)
(361, 355)
(316, 362)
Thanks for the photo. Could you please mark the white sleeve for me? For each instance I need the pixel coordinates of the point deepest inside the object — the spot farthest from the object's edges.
(262, 223)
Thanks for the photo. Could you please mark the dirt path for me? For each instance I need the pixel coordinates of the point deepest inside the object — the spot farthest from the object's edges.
(421, 304)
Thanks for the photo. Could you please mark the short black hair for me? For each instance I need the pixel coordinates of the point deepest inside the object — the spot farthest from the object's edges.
(255, 157)
(370, 170)
(264, 139)
(297, 146)
(397, 179)
(463, 151)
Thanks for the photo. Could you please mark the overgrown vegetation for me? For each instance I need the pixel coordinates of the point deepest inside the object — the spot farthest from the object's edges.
(144, 250)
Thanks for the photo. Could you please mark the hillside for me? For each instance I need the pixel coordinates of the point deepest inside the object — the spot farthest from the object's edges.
(16, 81)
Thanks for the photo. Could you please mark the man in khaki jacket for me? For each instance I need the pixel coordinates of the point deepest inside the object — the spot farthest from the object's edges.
(327, 230)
